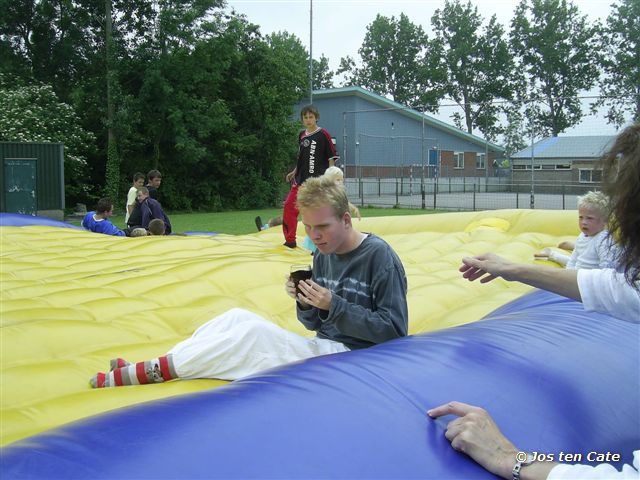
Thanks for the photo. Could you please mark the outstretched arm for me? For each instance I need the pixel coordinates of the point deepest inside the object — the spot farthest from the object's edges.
(548, 254)
(489, 266)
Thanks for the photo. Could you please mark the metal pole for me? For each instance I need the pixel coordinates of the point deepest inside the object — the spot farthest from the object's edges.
(344, 142)
(358, 169)
(397, 201)
(435, 190)
(486, 157)
(422, 159)
(532, 198)
(474, 196)
(310, 51)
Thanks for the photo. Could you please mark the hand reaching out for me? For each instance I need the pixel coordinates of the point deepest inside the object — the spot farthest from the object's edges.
(544, 254)
(567, 245)
(475, 433)
(486, 267)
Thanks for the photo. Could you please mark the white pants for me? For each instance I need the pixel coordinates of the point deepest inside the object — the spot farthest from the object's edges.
(240, 343)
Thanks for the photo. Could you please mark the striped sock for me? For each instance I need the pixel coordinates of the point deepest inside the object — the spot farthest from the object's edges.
(118, 363)
(158, 370)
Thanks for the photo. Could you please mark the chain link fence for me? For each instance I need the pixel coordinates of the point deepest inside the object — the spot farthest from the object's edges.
(466, 193)
(399, 159)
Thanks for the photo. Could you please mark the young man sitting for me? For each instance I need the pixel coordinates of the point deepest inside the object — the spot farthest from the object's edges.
(356, 298)
(98, 220)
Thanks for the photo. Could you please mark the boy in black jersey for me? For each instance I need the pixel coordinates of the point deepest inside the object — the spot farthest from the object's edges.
(316, 153)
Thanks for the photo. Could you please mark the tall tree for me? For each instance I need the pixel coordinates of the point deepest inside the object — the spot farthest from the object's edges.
(322, 75)
(176, 26)
(556, 48)
(51, 41)
(113, 159)
(479, 67)
(196, 91)
(393, 63)
(620, 84)
(348, 70)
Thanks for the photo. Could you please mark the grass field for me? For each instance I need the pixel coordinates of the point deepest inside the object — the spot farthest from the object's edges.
(242, 222)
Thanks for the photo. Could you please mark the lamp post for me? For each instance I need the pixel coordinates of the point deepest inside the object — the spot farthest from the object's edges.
(532, 199)
(310, 51)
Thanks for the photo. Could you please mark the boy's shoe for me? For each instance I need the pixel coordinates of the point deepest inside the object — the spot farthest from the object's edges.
(258, 221)
(290, 244)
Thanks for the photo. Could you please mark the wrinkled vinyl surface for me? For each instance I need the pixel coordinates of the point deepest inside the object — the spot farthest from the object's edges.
(555, 379)
(71, 300)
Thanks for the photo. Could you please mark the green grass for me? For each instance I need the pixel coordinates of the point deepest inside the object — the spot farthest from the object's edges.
(242, 222)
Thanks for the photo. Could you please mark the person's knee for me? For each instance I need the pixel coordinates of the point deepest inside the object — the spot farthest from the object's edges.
(242, 315)
(237, 312)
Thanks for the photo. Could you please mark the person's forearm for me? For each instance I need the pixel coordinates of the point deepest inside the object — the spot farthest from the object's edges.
(536, 471)
(561, 281)
(308, 316)
(505, 463)
(559, 258)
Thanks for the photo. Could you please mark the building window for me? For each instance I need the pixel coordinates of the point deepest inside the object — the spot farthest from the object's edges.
(480, 161)
(458, 159)
(526, 167)
(541, 167)
(589, 175)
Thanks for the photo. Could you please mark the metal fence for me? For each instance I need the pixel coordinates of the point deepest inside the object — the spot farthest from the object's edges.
(405, 161)
(464, 193)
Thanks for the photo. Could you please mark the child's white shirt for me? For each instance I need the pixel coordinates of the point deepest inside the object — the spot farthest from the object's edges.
(597, 251)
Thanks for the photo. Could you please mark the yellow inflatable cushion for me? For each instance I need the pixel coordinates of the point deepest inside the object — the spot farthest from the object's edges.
(71, 300)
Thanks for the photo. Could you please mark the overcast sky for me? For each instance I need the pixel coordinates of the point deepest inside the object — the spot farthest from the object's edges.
(339, 26)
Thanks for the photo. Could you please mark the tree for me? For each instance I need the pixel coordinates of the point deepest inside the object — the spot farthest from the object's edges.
(347, 68)
(620, 84)
(518, 130)
(53, 42)
(196, 92)
(556, 48)
(113, 160)
(393, 63)
(322, 76)
(33, 113)
(479, 67)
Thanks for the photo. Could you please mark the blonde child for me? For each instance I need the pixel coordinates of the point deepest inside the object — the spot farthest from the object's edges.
(593, 248)
(139, 232)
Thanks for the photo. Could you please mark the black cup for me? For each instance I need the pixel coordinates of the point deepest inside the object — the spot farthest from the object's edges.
(301, 273)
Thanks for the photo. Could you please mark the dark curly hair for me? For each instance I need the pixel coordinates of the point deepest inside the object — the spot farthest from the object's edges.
(621, 173)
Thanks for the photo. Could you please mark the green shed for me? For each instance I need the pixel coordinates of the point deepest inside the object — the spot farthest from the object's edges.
(32, 178)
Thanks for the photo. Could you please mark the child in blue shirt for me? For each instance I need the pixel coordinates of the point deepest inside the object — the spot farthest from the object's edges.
(97, 221)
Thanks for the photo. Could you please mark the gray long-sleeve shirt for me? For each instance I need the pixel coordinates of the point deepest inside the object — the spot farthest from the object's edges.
(368, 295)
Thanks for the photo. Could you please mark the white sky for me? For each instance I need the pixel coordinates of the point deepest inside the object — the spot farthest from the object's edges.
(339, 26)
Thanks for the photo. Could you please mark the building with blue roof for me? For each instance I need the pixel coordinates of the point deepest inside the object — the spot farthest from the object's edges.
(377, 137)
(567, 160)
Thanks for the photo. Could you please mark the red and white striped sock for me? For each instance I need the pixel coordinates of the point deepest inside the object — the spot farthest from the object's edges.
(158, 370)
(118, 363)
